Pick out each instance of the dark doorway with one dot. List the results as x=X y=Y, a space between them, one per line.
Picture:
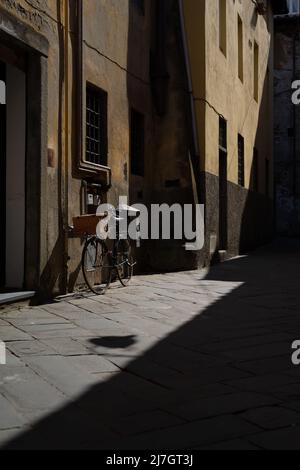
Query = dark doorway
x=23 y=156
x=223 y=223
x=2 y=173
x=12 y=174
x=223 y=239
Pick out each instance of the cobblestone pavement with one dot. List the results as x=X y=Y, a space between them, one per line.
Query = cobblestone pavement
x=194 y=360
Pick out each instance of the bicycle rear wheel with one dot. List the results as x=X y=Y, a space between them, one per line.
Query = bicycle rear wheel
x=125 y=262
x=96 y=266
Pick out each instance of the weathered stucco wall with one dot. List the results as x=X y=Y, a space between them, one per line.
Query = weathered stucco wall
x=218 y=89
x=167 y=176
x=137 y=59
x=219 y=92
x=105 y=65
x=104 y=62
x=44 y=17
x=117 y=43
x=105 y=38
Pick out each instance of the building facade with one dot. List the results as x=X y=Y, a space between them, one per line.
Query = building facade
x=230 y=49
x=162 y=102
x=94 y=108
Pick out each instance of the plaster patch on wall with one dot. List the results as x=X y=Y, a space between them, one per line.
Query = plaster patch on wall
x=35 y=18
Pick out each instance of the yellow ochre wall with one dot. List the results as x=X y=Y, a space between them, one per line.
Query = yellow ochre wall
x=218 y=90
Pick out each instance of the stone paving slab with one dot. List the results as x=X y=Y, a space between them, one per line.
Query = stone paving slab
x=25 y=314
x=70 y=332
x=236 y=444
x=281 y=439
x=29 y=348
x=274 y=417
x=267 y=366
x=226 y=404
x=146 y=422
x=263 y=384
x=66 y=346
x=66 y=311
x=8 y=435
x=10 y=333
x=92 y=364
x=12 y=362
x=31 y=395
x=9 y=417
x=192 y=360
x=187 y=436
x=59 y=372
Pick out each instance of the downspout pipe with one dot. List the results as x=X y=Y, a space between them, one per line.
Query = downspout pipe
x=195 y=157
x=79 y=80
x=66 y=150
x=189 y=77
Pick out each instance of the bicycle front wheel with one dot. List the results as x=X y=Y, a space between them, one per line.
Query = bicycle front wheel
x=125 y=262
x=96 y=266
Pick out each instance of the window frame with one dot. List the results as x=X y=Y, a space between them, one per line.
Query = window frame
x=103 y=142
x=241 y=161
x=256 y=71
x=223 y=27
x=223 y=132
x=240 y=34
x=83 y=168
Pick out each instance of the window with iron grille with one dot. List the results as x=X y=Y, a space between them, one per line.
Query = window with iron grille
x=256 y=71
x=137 y=143
x=240 y=49
x=223 y=134
x=241 y=162
x=223 y=26
x=255 y=170
x=96 y=126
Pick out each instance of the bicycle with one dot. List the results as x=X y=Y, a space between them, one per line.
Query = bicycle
x=99 y=263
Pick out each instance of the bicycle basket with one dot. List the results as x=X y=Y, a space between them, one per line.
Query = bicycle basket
x=86 y=224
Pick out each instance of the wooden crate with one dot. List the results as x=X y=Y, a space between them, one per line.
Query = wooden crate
x=86 y=224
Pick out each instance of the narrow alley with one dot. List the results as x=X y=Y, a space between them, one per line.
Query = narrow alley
x=192 y=360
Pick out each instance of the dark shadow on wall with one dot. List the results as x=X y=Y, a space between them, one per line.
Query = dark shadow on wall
x=157 y=89
x=250 y=212
x=53 y=279
x=196 y=386
x=161 y=96
x=257 y=219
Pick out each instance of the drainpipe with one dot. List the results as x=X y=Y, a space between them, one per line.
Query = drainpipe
x=66 y=150
x=79 y=79
x=195 y=158
x=189 y=77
